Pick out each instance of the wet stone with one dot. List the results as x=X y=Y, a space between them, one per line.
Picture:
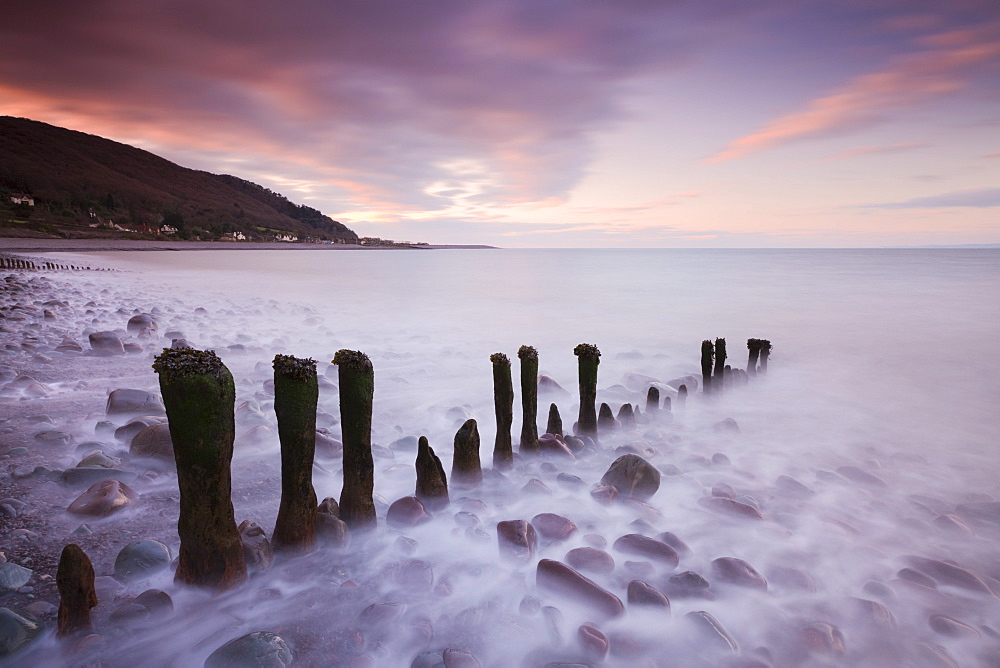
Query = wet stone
x=558 y=578
x=594 y=643
x=822 y=638
x=15 y=631
x=407 y=512
x=730 y=507
x=106 y=343
x=103 y=498
x=257 y=549
x=261 y=649
x=633 y=476
x=689 y=585
x=517 y=540
x=738 y=572
x=791 y=578
x=153 y=441
x=590 y=559
x=13 y=577
x=652 y=549
x=141 y=559
x=710 y=633
x=947 y=626
x=130 y=401
x=554 y=527
x=673 y=541
x=605 y=494
x=644 y=594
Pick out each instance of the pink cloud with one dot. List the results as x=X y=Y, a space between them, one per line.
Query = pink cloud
x=943 y=66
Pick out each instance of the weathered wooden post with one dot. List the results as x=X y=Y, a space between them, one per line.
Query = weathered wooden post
x=753 y=345
x=357 y=390
x=652 y=400
x=529 y=399
x=432 y=485
x=707 y=353
x=503 y=405
x=588 y=359
x=465 y=467
x=296 y=394
x=719 y=380
x=606 y=419
x=75 y=581
x=765 y=352
x=199 y=397
x=682 y=396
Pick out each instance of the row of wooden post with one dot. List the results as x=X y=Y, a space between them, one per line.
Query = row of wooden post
x=199 y=396
x=21 y=263
x=759 y=350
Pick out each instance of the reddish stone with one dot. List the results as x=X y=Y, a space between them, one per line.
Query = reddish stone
x=103 y=498
x=590 y=559
x=594 y=643
x=730 y=507
x=558 y=578
x=738 y=572
x=553 y=527
x=517 y=540
x=645 y=594
x=406 y=512
x=649 y=548
x=822 y=638
x=605 y=494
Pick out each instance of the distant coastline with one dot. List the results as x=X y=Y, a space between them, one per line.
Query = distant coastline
x=34 y=245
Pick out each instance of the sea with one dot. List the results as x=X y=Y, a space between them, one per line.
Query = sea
x=880 y=398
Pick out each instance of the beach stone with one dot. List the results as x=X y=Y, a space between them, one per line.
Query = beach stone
x=952 y=524
x=69 y=346
x=257 y=550
x=98 y=458
x=673 y=541
x=590 y=559
x=13 y=577
x=730 y=507
x=791 y=578
x=950 y=574
x=644 y=594
x=640 y=448
x=873 y=614
x=595 y=644
x=407 y=512
x=984 y=511
x=854 y=474
x=792 y=487
x=633 y=476
x=823 y=638
x=153 y=441
x=552 y=526
x=36 y=391
x=458 y=658
x=558 y=578
x=554 y=445
x=53 y=437
x=428 y=660
x=649 y=548
x=125 y=401
x=331 y=530
x=935 y=656
x=536 y=487
x=141 y=559
x=689 y=585
x=727 y=426
x=738 y=572
x=88 y=475
x=517 y=540
x=605 y=494
x=103 y=498
x=129 y=430
x=953 y=628
x=710 y=633
x=548 y=385
x=106 y=343
x=15 y=631
x=261 y=649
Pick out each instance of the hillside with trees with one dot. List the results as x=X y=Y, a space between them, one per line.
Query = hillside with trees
x=82 y=185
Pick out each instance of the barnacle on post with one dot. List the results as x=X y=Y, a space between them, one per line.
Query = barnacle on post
x=588 y=350
x=174 y=363
x=499 y=359
x=295 y=367
x=354 y=359
x=527 y=352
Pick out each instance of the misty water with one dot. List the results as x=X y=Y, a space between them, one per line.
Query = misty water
x=880 y=399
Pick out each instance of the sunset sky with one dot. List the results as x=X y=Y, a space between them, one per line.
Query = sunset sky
x=534 y=123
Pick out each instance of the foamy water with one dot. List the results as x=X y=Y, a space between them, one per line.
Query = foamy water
x=878 y=364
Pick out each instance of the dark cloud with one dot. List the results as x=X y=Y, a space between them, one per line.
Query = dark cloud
x=379 y=97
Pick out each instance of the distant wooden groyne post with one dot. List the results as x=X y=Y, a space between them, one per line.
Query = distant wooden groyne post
x=357 y=390
x=652 y=400
x=588 y=359
x=465 y=467
x=199 y=396
x=753 y=345
x=765 y=352
x=77 y=595
x=503 y=404
x=296 y=394
x=719 y=379
x=707 y=353
x=432 y=485
x=529 y=399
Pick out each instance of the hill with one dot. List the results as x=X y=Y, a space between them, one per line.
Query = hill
x=85 y=185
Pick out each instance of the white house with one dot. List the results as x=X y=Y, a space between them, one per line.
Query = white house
x=168 y=229
x=285 y=237
x=22 y=199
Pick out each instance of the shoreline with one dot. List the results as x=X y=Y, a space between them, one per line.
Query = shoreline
x=30 y=245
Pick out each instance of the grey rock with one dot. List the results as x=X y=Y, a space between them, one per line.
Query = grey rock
x=633 y=476
x=13 y=576
x=153 y=441
x=261 y=649
x=106 y=343
x=129 y=401
x=141 y=559
x=15 y=631
x=257 y=548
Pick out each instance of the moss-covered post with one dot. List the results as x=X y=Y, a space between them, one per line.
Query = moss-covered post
x=707 y=353
x=199 y=396
x=357 y=390
x=465 y=467
x=588 y=358
x=554 y=424
x=75 y=580
x=529 y=399
x=765 y=352
x=719 y=379
x=753 y=345
x=296 y=393
x=432 y=485
x=503 y=404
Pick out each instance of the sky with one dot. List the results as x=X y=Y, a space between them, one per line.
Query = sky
x=550 y=123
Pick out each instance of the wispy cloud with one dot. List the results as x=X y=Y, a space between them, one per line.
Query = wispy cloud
x=973 y=197
x=876 y=150
x=943 y=65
